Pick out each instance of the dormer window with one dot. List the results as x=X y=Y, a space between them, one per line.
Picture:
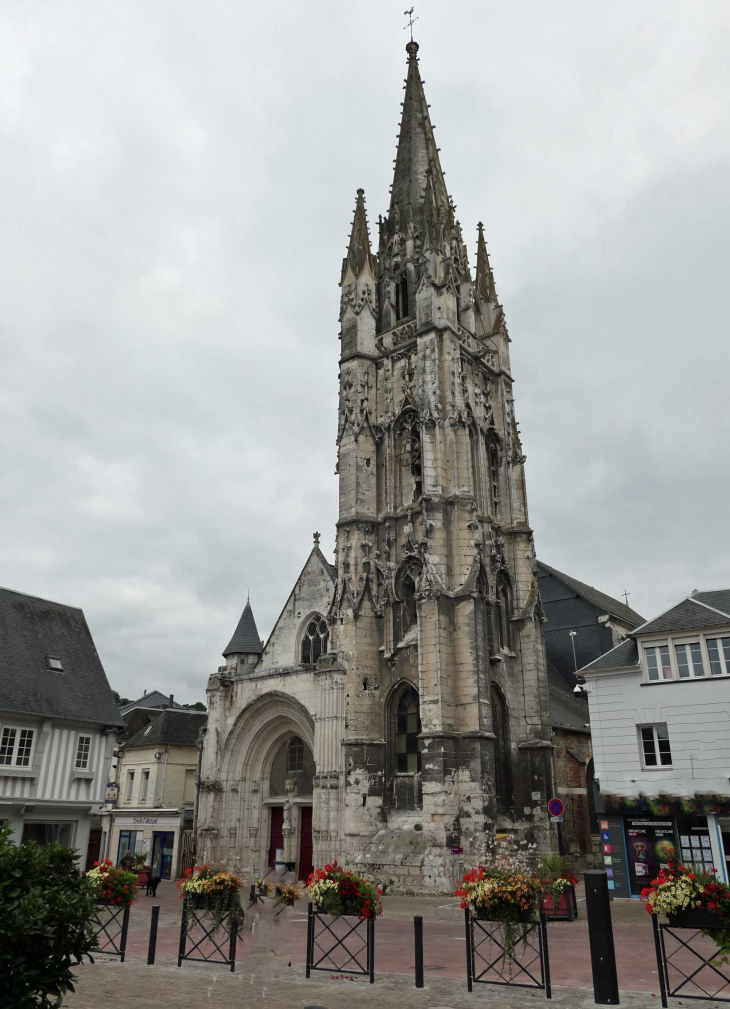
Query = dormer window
x=54 y=663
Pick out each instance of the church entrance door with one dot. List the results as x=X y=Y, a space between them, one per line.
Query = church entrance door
x=276 y=837
x=305 y=842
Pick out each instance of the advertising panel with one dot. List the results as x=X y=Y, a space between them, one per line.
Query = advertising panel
x=649 y=846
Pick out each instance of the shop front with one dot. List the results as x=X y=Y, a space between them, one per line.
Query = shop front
x=152 y=833
x=637 y=842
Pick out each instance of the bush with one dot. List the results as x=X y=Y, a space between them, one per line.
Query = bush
x=46 y=908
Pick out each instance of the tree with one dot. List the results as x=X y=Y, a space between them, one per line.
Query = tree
x=46 y=908
x=198 y=706
x=121 y=700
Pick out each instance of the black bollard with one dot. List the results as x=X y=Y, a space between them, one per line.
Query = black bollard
x=418 y=937
x=600 y=935
x=153 y=934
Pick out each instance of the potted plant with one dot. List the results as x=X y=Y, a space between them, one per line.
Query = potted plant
x=211 y=888
x=112 y=884
x=141 y=866
x=337 y=892
x=263 y=888
x=557 y=899
x=286 y=894
x=691 y=897
x=505 y=895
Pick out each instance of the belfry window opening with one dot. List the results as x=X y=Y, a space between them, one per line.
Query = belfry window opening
x=314 y=640
x=295 y=754
x=401 y=298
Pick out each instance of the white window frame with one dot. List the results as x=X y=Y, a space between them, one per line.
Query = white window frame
x=724 y=662
x=129 y=790
x=682 y=642
x=87 y=761
x=19 y=729
x=645 y=660
x=145 y=784
x=659 y=766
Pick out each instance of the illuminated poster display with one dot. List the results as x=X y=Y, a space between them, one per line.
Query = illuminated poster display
x=649 y=846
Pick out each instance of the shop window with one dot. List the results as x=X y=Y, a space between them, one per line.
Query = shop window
x=314 y=640
x=295 y=754
x=655 y=747
x=407 y=719
x=48 y=833
x=502 y=755
x=127 y=842
x=83 y=748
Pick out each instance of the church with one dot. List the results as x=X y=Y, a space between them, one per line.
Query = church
x=397 y=718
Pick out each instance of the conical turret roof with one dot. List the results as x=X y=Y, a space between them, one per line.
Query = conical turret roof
x=417 y=164
x=245 y=640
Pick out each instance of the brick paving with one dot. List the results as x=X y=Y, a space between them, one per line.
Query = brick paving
x=271 y=957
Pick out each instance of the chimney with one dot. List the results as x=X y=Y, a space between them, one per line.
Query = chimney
x=172 y=698
x=145 y=693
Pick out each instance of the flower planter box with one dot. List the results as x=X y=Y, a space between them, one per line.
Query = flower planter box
x=482 y=913
x=696 y=917
x=563 y=906
x=143 y=877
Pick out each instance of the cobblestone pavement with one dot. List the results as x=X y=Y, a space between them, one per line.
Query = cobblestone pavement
x=271 y=957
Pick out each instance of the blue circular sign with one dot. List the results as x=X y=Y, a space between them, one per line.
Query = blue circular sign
x=555 y=807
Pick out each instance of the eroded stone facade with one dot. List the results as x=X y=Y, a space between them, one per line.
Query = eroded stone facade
x=427 y=710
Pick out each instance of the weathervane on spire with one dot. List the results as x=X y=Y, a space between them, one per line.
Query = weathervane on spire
x=411 y=22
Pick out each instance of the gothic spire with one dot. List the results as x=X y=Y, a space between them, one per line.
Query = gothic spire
x=417 y=165
x=358 y=251
x=485 y=288
x=245 y=640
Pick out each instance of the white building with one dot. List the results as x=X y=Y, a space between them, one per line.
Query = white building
x=660 y=721
x=58 y=724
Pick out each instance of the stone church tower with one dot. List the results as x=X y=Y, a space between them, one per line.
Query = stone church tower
x=400 y=706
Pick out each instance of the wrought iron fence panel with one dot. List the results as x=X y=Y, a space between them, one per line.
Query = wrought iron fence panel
x=688 y=964
x=340 y=944
x=490 y=960
x=199 y=936
x=111 y=924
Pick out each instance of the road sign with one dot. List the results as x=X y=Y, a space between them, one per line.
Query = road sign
x=556 y=819
x=555 y=807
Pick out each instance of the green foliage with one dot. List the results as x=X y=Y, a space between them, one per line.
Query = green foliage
x=555 y=866
x=198 y=706
x=46 y=908
x=121 y=701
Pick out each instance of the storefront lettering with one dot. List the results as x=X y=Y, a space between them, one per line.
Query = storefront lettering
x=143 y=821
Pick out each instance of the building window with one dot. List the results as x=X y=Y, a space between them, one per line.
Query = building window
x=127 y=842
x=502 y=756
x=504 y=613
x=493 y=455
x=54 y=663
x=658 y=663
x=718 y=650
x=130 y=785
x=314 y=642
x=655 y=746
x=82 y=752
x=407 y=731
x=16 y=746
x=295 y=754
x=48 y=833
x=689 y=660
x=408 y=450
x=145 y=785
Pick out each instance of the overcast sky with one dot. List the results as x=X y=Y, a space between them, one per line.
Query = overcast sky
x=176 y=188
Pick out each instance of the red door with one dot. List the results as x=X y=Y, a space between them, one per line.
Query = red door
x=276 y=836
x=305 y=843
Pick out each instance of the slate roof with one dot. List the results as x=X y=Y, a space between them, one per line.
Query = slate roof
x=152 y=699
x=245 y=640
x=567 y=710
x=690 y=614
x=173 y=727
x=624 y=656
x=32 y=629
x=719 y=599
x=599 y=599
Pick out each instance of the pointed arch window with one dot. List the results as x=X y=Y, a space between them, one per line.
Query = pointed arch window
x=295 y=754
x=401 y=297
x=502 y=756
x=314 y=639
x=407 y=728
x=407 y=610
x=493 y=476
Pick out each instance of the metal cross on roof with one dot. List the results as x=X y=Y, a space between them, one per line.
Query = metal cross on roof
x=411 y=22
x=626 y=595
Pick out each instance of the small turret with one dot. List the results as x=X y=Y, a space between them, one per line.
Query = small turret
x=358 y=301
x=245 y=647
